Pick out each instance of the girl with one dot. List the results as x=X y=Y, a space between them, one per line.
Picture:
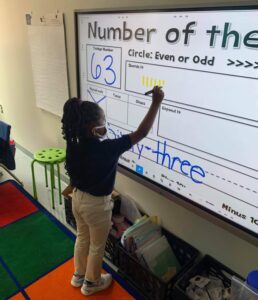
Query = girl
x=91 y=165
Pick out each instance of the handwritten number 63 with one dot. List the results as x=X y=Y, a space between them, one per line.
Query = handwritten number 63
x=96 y=73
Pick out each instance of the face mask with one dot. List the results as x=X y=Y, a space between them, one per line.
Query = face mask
x=97 y=134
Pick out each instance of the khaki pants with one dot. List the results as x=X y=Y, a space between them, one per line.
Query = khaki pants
x=93 y=219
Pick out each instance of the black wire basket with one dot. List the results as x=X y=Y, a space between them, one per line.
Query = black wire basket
x=205 y=267
x=147 y=284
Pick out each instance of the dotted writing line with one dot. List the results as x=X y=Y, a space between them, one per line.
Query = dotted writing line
x=229 y=181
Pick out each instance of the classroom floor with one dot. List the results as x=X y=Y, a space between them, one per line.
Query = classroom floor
x=36 y=261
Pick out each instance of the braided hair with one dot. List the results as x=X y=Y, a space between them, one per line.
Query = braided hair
x=78 y=117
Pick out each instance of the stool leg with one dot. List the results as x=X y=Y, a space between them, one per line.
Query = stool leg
x=52 y=176
x=46 y=175
x=54 y=180
x=59 y=183
x=33 y=180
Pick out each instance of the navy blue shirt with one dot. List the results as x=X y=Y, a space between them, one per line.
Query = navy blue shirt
x=97 y=166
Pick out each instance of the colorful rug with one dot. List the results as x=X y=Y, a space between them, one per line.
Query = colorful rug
x=13 y=204
x=36 y=252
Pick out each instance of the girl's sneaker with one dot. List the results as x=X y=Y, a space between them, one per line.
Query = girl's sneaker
x=77 y=280
x=89 y=288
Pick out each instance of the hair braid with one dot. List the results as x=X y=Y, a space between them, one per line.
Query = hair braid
x=77 y=115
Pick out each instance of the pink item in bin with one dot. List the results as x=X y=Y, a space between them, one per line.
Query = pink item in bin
x=120 y=225
x=12 y=146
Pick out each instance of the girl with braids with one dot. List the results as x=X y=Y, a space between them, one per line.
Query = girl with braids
x=91 y=165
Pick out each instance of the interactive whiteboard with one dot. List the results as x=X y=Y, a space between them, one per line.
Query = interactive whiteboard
x=204 y=142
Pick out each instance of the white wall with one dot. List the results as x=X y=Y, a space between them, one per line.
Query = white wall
x=34 y=128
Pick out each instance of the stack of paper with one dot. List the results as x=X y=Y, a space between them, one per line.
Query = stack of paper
x=138 y=234
x=144 y=240
x=160 y=259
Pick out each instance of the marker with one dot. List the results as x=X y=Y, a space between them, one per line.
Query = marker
x=150 y=92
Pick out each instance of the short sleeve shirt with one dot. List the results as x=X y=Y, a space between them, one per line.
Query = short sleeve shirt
x=99 y=163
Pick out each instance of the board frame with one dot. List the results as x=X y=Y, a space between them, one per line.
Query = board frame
x=187 y=203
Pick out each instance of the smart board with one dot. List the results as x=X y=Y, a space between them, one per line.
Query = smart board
x=203 y=145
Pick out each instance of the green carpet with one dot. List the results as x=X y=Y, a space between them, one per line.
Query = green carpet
x=7 y=286
x=32 y=246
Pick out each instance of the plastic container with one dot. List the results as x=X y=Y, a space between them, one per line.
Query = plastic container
x=205 y=267
x=252 y=280
x=248 y=290
x=148 y=285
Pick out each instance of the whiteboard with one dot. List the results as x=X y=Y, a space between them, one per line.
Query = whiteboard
x=48 y=59
x=203 y=145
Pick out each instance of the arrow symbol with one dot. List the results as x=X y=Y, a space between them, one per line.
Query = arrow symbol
x=248 y=64
x=99 y=100
x=256 y=64
x=230 y=62
x=239 y=63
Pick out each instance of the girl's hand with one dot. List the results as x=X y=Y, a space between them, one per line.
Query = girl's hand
x=146 y=124
x=158 y=95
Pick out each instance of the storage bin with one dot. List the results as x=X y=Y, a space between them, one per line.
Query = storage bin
x=205 y=267
x=241 y=291
x=148 y=285
x=68 y=212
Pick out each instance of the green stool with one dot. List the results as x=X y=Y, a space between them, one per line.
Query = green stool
x=49 y=157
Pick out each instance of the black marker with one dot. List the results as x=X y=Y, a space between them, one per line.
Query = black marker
x=150 y=92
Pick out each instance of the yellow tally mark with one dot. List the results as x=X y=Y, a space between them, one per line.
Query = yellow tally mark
x=150 y=82
x=143 y=80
